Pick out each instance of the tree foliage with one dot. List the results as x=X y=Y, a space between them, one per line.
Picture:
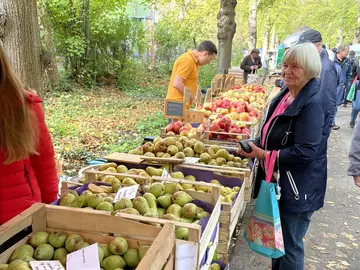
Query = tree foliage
x=114 y=37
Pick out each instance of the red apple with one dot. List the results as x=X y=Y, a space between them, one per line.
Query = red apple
x=253 y=113
x=214 y=126
x=177 y=127
x=223 y=136
x=233 y=104
x=169 y=127
x=183 y=128
x=188 y=125
x=240 y=109
x=219 y=102
x=245 y=131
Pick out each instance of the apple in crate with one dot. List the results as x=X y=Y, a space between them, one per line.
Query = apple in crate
x=184 y=131
x=208 y=106
x=207 y=114
x=214 y=126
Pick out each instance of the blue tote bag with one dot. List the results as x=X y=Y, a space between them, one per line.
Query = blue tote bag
x=264 y=233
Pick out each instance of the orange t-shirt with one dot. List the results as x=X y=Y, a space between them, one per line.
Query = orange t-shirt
x=186 y=66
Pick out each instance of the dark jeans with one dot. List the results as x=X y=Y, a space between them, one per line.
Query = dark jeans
x=245 y=77
x=346 y=92
x=294 y=227
x=339 y=98
x=355 y=106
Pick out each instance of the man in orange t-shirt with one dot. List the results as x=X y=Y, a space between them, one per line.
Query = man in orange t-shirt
x=185 y=70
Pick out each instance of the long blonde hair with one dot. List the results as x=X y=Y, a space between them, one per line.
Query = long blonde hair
x=18 y=125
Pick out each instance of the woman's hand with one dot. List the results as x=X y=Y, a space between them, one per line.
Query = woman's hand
x=257 y=152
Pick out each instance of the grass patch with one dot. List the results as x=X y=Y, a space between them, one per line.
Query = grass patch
x=85 y=124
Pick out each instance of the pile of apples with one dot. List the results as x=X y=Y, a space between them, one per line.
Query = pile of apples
x=184 y=129
x=234 y=110
x=250 y=88
x=224 y=124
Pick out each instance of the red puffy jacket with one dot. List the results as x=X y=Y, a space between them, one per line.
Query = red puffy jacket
x=30 y=180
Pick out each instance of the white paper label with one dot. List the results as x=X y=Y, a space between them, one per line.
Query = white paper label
x=126 y=192
x=186 y=256
x=165 y=174
x=46 y=265
x=85 y=258
x=191 y=160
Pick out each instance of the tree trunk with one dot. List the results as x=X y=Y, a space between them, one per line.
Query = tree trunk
x=21 y=41
x=273 y=39
x=340 y=37
x=266 y=35
x=226 y=31
x=86 y=18
x=52 y=69
x=357 y=30
x=252 y=24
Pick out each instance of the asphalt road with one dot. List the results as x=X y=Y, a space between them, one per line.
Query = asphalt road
x=332 y=241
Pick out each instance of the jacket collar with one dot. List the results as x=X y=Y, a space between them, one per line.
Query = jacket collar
x=310 y=89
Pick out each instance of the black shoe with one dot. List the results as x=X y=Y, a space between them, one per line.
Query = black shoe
x=335 y=127
x=352 y=124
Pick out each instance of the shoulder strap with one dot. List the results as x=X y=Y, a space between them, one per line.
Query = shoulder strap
x=269 y=165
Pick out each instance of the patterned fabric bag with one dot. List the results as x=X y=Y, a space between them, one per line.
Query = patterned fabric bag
x=264 y=234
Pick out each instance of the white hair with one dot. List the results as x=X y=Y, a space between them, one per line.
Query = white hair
x=307 y=56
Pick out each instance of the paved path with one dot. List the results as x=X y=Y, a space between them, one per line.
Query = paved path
x=333 y=238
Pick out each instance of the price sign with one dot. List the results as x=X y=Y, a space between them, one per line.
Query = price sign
x=85 y=258
x=174 y=109
x=191 y=160
x=212 y=88
x=46 y=265
x=126 y=192
x=198 y=97
x=208 y=96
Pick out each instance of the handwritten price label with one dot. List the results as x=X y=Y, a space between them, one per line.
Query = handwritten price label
x=191 y=160
x=126 y=192
x=186 y=256
x=46 y=265
x=85 y=258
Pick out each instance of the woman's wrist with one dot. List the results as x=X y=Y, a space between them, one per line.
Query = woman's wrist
x=263 y=154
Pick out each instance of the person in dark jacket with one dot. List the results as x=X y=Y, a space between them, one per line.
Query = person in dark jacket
x=342 y=59
x=294 y=127
x=328 y=78
x=27 y=159
x=251 y=64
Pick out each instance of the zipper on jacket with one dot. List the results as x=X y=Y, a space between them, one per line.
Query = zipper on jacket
x=26 y=173
x=293 y=185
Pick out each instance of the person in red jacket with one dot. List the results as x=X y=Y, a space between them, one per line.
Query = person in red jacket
x=27 y=159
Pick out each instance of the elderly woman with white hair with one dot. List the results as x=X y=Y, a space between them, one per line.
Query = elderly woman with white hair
x=293 y=127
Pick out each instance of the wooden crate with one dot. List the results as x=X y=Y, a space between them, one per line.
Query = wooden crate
x=230 y=213
x=226 y=246
x=195 y=235
x=137 y=159
x=94 y=226
x=163 y=134
x=232 y=144
x=243 y=173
